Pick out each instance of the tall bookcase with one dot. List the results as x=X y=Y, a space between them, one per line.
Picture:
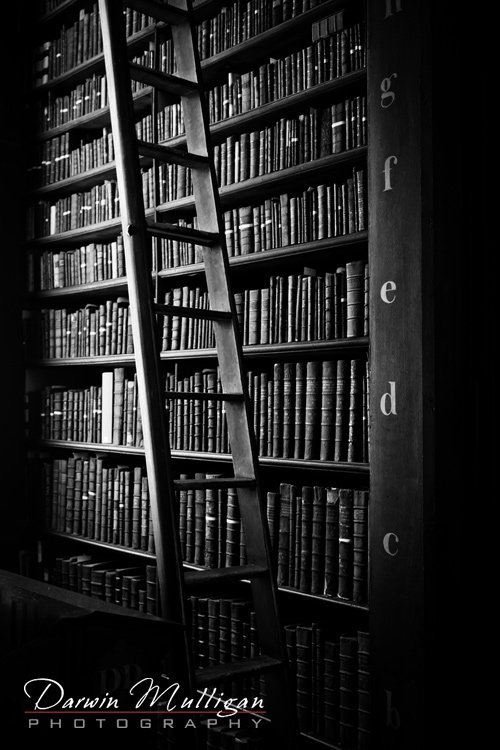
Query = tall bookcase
x=413 y=299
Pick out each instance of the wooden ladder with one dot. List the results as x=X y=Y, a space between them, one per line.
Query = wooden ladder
x=137 y=231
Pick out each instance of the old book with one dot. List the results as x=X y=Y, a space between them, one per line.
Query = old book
x=345 y=543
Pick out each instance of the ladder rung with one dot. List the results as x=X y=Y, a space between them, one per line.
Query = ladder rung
x=216 y=483
x=171 y=155
x=166 y=13
x=203 y=396
x=182 y=234
x=168 y=83
x=197 y=578
x=214 y=675
x=192 y=312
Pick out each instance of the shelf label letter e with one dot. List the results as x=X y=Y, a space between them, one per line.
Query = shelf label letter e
x=388 y=400
x=387 y=288
x=387 y=171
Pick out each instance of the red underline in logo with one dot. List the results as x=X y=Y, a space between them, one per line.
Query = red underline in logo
x=41 y=712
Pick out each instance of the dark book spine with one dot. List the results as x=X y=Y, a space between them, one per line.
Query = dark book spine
x=345 y=543
x=304 y=677
x=300 y=402
x=355 y=283
x=284 y=540
x=306 y=539
x=328 y=394
x=288 y=409
x=348 y=705
x=331 y=542
x=364 y=692
x=331 y=691
x=342 y=410
x=318 y=541
x=360 y=547
x=312 y=402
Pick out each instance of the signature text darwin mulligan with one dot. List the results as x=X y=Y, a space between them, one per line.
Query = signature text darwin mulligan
x=48 y=694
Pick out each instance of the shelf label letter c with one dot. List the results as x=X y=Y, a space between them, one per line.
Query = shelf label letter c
x=389 y=538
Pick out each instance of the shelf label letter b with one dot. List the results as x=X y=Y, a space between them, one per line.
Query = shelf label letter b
x=388 y=400
x=393 y=720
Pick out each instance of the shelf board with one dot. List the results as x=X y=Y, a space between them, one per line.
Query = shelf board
x=329 y=599
x=344 y=467
x=92 y=447
x=268 y=351
x=102 y=231
x=220 y=130
x=113 y=286
x=239 y=193
x=102 y=545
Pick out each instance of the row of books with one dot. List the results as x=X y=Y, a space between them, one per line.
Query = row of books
x=107 y=413
x=318 y=534
x=79 y=41
x=90 y=96
x=95 y=330
x=301 y=307
x=74 y=211
x=60 y=159
x=132 y=586
x=291 y=141
x=244 y=19
x=303 y=410
x=306 y=307
x=314 y=213
x=98 y=261
x=93 y=497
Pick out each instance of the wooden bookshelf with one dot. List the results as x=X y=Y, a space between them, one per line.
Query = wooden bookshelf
x=329 y=253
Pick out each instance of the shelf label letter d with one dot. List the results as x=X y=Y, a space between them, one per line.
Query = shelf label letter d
x=388 y=400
